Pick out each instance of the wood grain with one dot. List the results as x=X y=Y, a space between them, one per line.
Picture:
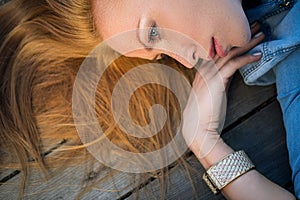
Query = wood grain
x=261 y=136
x=242 y=101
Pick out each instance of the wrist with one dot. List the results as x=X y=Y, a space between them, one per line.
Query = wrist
x=227 y=170
x=217 y=153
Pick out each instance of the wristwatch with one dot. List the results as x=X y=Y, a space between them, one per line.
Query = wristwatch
x=226 y=170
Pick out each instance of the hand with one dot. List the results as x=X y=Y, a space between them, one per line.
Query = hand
x=204 y=115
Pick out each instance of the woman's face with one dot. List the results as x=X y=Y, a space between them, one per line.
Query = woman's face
x=183 y=29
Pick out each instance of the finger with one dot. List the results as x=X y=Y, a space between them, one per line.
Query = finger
x=230 y=68
x=207 y=69
x=237 y=51
x=256 y=39
x=255 y=28
x=196 y=79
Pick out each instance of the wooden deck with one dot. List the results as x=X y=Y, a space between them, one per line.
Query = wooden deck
x=253 y=123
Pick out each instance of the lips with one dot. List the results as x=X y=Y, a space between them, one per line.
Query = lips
x=216 y=49
x=212 y=50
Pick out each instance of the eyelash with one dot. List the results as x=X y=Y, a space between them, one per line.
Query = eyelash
x=153 y=38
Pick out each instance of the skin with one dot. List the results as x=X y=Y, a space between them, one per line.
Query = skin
x=184 y=30
x=200 y=21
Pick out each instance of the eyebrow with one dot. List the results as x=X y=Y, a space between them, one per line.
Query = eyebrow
x=138 y=37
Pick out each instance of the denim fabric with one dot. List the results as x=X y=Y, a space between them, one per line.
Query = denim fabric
x=281 y=25
x=280 y=63
x=288 y=88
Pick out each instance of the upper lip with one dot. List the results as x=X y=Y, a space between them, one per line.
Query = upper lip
x=216 y=49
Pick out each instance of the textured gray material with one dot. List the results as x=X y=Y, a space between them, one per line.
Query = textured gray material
x=225 y=171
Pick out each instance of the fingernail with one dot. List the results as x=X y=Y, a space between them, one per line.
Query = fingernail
x=258 y=34
x=253 y=25
x=257 y=54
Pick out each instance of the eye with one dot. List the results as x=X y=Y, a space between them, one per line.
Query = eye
x=153 y=34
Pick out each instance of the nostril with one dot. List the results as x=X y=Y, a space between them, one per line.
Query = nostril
x=194 y=56
x=194 y=51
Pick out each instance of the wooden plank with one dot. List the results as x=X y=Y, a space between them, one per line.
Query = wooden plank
x=6 y=174
x=68 y=184
x=261 y=136
x=242 y=100
x=264 y=140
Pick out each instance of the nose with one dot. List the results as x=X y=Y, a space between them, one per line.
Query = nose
x=187 y=56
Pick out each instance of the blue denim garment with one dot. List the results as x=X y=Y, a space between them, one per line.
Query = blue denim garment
x=280 y=63
x=288 y=89
x=280 y=20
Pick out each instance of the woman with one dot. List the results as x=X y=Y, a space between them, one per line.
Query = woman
x=212 y=30
x=217 y=27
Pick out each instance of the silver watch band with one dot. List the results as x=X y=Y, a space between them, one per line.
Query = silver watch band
x=226 y=170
